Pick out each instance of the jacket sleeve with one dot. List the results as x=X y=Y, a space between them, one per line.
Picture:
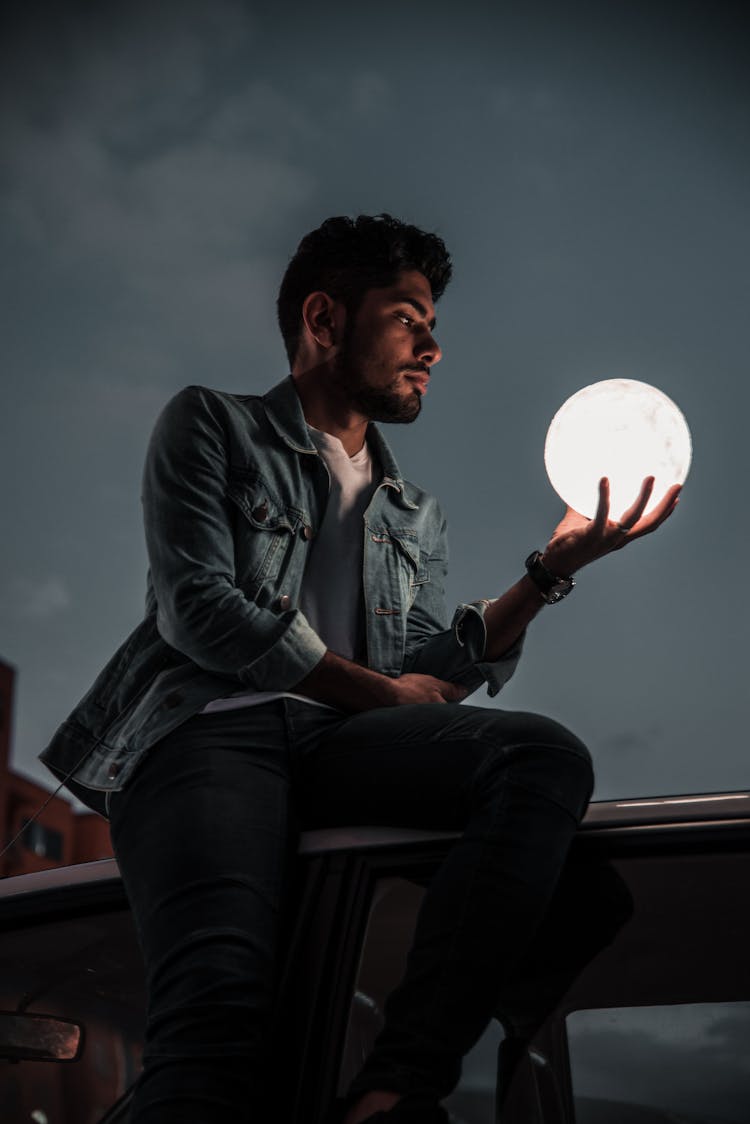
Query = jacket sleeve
x=453 y=652
x=200 y=610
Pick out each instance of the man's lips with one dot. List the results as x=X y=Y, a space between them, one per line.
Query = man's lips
x=420 y=379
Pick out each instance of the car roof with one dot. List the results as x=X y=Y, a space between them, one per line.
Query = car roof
x=601 y=816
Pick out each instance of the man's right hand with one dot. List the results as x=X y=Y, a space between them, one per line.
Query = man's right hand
x=352 y=688
x=415 y=688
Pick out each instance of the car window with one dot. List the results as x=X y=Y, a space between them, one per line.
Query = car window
x=388 y=935
x=652 y=1065
x=87 y=969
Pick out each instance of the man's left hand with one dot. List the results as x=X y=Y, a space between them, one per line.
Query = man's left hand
x=576 y=541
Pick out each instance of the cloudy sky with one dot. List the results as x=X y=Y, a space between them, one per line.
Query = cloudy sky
x=587 y=165
x=685 y=1059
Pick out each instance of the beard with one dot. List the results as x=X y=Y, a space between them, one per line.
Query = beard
x=386 y=403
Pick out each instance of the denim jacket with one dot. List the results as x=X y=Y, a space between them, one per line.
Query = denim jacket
x=233 y=492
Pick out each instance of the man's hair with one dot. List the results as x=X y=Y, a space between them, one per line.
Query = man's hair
x=345 y=257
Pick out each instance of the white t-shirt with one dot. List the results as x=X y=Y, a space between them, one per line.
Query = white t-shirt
x=331 y=595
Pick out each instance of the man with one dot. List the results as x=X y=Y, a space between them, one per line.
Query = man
x=296 y=668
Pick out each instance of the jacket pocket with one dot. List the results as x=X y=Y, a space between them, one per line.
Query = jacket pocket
x=405 y=559
x=408 y=545
x=265 y=534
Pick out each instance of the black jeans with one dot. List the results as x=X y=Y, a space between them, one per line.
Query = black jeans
x=207 y=828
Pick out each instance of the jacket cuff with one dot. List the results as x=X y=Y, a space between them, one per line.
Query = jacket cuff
x=471 y=633
x=297 y=651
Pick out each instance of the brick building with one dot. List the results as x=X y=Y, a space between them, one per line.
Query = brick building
x=59 y=835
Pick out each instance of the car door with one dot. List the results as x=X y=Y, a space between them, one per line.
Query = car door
x=631 y=1003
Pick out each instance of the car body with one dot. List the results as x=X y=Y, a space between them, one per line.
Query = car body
x=632 y=1006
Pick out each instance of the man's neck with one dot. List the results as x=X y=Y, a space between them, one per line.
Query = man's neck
x=324 y=410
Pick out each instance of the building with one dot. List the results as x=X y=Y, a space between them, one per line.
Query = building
x=55 y=836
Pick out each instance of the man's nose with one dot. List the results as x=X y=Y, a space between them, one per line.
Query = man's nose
x=428 y=349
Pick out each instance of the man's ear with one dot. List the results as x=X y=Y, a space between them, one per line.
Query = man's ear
x=322 y=316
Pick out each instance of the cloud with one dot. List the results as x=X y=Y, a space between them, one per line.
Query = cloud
x=132 y=214
x=370 y=93
x=131 y=156
x=646 y=737
x=145 y=172
x=683 y=1057
x=36 y=600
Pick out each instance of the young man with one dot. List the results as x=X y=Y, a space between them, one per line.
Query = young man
x=296 y=668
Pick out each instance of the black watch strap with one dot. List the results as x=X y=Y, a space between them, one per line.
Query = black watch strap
x=551 y=587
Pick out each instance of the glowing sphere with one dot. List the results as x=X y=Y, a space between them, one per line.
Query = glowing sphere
x=622 y=429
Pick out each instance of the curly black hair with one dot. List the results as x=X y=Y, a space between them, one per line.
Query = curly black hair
x=345 y=257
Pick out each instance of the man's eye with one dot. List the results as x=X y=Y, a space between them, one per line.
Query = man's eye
x=405 y=320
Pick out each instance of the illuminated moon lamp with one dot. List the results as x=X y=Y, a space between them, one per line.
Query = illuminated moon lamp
x=619 y=428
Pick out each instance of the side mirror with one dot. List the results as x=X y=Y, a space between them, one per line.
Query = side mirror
x=39 y=1038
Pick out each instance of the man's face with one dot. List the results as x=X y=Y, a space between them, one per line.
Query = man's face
x=383 y=364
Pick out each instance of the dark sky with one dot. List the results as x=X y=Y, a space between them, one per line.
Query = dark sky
x=689 y=1060
x=686 y=1061
x=587 y=165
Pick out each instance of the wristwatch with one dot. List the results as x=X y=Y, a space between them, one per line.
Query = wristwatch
x=551 y=587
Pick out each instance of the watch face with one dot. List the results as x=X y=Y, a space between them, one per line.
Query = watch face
x=552 y=588
x=560 y=589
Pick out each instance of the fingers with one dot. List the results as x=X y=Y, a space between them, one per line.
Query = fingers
x=577 y=541
x=633 y=514
x=671 y=498
x=414 y=687
x=453 y=692
x=599 y=522
x=661 y=512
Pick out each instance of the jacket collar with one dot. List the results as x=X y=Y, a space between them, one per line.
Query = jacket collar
x=284 y=411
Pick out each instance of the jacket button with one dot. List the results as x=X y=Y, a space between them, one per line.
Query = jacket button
x=261 y=512
x=112 y=771
x=285 y=601
x=307 y=531
x=173 y=700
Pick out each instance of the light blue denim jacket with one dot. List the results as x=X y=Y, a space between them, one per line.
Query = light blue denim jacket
x=233 y=493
